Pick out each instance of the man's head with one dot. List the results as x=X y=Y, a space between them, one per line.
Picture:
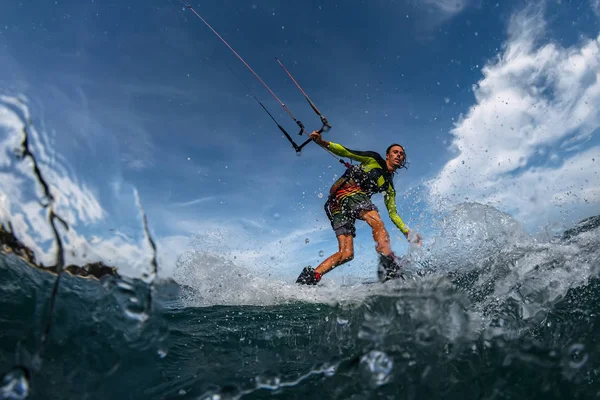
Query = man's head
x=395 y=156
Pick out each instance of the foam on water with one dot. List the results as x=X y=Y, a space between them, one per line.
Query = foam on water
x=484 y=252
x=217 y=280
x=471 y=233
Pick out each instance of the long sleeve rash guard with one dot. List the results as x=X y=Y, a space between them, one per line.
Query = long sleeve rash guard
x=374 y=168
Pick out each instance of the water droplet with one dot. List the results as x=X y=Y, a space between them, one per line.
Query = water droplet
x=378 y=365
x=463 y=162
x=276 y=216
x=162 y=353
x=321 y=252
x=342 y=321
x=15 y=384
x=181 y=392
x=330 y=371
x=268 y=382
x=307 y=240
x=282 y=27
x=320 y=195
x=576 y=355
x=254 y=6
x=133 y=300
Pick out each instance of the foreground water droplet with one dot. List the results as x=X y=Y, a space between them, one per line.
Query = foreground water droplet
x=15 y=385
x=378 y=365
x=134 y=300
x=307 y=240
x=162 y=353
x=268 y=382
x=320 y=195
x=329 y=370
x=321 y=252
x=577 y=356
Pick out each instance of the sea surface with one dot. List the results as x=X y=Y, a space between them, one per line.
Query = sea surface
x=498 y=317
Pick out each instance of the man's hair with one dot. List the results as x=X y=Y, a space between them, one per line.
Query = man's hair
x=405 y=162
x=387 y=151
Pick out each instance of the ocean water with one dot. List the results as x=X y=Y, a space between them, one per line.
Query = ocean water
x=516 y=318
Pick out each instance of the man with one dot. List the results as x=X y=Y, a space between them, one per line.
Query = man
x=350 y=199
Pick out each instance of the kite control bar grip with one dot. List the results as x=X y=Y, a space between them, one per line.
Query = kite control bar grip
x=324 y=128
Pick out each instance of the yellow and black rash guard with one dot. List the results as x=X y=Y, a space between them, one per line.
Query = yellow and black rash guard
x=370 y=177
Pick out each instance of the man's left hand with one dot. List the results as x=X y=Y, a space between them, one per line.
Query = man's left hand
x=414 y=238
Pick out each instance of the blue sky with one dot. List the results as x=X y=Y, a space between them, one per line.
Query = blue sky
x=494 y=102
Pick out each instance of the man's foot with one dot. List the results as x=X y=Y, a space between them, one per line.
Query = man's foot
x=308 y=277
x=389 y=268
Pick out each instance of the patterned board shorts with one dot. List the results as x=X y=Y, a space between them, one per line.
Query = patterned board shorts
x=347 y=212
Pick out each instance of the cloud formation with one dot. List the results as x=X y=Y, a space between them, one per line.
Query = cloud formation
x=527 y=144
x=448 y=8
x=595 y=4
x=74 y=201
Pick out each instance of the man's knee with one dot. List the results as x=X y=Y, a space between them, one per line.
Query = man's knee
x=378 y=226
x=346 y=256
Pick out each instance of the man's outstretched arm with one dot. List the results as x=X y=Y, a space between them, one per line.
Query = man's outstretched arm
x=339 y=150
x=390 y=204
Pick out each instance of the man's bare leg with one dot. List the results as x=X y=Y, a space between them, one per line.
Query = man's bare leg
x=344 y=254
x=388 y=267
x=380 y=234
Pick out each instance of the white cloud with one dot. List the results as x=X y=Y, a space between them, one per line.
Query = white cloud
x=536 y=101
x=75 y=203
x=169 y=249
x=256 y=245
x=195 y=201
x=434 y=13
x=448 y=8
x=138 y=150
x=595 y=6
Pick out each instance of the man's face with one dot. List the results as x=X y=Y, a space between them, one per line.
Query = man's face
x=396 y=156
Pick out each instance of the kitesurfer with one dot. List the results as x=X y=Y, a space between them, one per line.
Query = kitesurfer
x=350 y=199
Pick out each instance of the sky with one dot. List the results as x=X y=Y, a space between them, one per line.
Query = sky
x=137 y=105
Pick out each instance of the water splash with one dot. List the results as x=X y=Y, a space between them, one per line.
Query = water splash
x=138 y=306
x=378 y=366
x=15 y=384
x=473 y=233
